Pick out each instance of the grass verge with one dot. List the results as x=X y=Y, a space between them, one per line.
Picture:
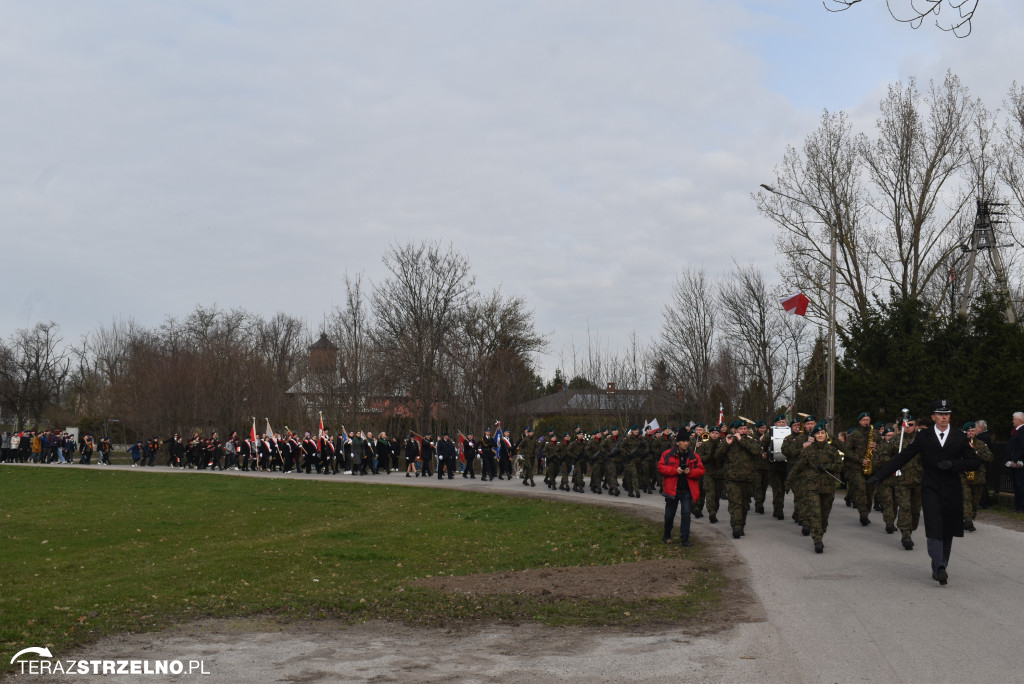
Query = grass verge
x=89 y=553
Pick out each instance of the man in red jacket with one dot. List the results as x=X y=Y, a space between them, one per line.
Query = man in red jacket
x=682 y=471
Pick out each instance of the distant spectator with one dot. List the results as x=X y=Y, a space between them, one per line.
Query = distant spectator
x=1015 y=460
x=136 y=452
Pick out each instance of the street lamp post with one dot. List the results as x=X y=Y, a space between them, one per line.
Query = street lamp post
x=830 y=369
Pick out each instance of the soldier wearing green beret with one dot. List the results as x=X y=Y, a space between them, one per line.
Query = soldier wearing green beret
x=817 y=469
x=859 y=444
x=974 y=481
x=739 y=462
x=710 y=452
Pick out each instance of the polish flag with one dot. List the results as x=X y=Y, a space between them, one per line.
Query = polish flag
x=796 y=304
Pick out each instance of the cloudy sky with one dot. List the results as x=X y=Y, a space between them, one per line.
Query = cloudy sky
x=159 y=155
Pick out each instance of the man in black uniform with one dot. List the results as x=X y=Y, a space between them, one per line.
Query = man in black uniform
x=447 y=454
x=470 y=450
x=945 y=453
x=488 y=449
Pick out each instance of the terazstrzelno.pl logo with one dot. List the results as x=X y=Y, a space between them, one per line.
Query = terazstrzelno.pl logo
x=36 y=666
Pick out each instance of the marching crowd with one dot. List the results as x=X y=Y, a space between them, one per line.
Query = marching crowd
x=888 y=468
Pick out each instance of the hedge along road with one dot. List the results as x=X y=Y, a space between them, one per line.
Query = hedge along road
x=865 y=610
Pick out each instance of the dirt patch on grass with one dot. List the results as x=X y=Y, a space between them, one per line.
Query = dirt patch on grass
x=1006 y=521
x=662 y=578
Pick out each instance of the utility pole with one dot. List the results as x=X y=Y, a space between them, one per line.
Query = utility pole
x=983 y=237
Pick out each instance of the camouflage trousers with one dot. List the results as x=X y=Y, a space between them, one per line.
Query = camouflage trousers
x=855 y=486
x=815 y=509
x=908 y=508
x=629 y=476
x=597 y=469
x=551 y=473
x=564 y=470
x=611 y=475
x=885 y=497
x=698 y=504
x=972 y=497
x=714 y=487
x=739 y=492
x=798 y=501
x=526 y=469
x=579 y=472
x=773 y=479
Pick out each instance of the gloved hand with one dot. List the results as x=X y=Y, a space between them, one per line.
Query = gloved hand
x=1020 y=464
x=1009 y=464
x=872 y=480
x=944 y=465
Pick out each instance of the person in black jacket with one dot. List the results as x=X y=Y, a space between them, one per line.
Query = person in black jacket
x=1015 y=461
x=470 y=450
x=945 y=453
x=427 y=456
x=447 y=455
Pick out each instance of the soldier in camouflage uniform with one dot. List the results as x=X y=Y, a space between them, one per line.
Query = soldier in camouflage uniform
x=817 y=469
x=613 y=462
x=774 y=474
x=857 y=445
x=632 y=448
x=908 y=488
x=552 y=460
x=739 y=461
x=761 y=469
x=973 y=488
x=595 y=456
x=792 y=447
x=528 y=450
x=714 y=477
x=885 y=492
x=579 y=466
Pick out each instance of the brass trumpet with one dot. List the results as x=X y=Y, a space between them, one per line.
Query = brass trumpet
x=970 y=473
x=870 y=453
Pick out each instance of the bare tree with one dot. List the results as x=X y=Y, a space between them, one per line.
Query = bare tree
x=350 y=326
x=688 y=338
x=490 y=358
x=818 y=191
x=34 y=367
x=956 y=19
x=923 y=148
x=417 y=309
x=767 y=350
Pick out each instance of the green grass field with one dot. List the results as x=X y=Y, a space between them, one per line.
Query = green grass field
x=89 y=552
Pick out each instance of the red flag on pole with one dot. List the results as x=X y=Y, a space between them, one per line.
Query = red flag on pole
x=796 y=304
x=252 y=433
x=462 y=447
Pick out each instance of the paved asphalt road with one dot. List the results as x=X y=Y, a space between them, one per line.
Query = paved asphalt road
x=864 y=611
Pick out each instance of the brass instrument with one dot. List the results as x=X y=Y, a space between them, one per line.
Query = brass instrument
x=970 y=473
x=870 y=453
x=705 y=437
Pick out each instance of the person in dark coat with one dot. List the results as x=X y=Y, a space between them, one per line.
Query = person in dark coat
x=1015 y=460
x=945 y=453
